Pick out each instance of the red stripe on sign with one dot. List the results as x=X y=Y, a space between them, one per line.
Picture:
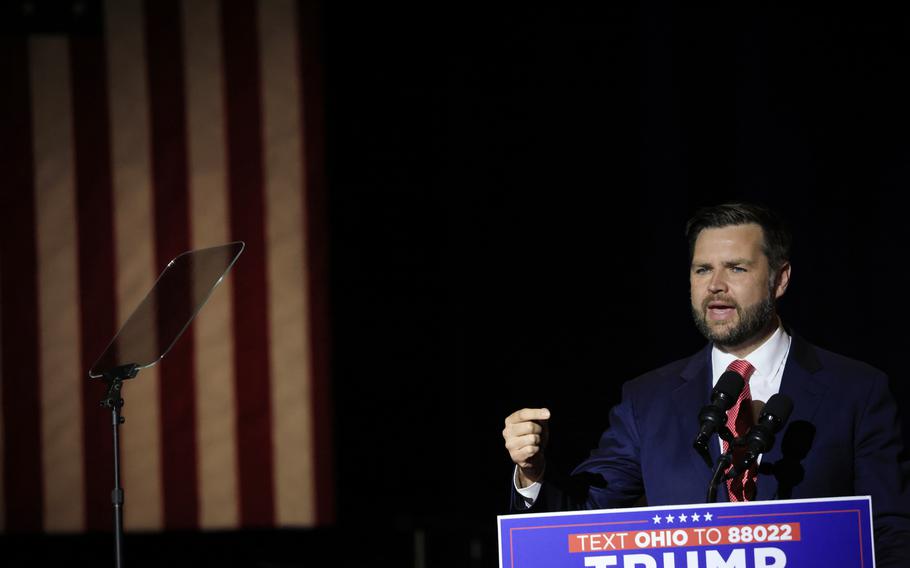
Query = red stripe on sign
x=314 y=215
x=251 y=331
x=172 y=237
x=88 y=74
x=22 y=468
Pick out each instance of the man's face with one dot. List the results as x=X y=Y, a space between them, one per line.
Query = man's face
x=732 y=291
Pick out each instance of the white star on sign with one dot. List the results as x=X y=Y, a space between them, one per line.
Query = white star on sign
x=656 y=519
x=708 y=516
x=695 y=517
x=683 y=518
x=669 y=518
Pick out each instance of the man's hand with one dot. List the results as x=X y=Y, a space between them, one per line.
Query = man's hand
x=526 y=437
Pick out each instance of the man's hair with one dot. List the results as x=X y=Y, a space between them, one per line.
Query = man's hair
x=777 y=238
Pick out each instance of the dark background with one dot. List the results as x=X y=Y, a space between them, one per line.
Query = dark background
x=507 y=189
x=508 y=192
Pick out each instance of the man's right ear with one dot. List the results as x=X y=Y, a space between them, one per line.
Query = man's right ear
x=782 y=279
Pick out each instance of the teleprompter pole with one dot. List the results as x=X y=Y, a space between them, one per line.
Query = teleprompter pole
x=113 y=400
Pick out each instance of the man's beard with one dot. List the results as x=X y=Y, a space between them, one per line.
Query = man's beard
x=752 y=320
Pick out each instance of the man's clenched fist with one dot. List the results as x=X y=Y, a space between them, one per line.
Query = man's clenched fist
x=526 y=437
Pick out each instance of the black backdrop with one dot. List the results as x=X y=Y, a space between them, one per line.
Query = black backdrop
x=508 y=191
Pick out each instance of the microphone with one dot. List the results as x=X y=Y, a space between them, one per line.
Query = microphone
x=760 y=438
x=713 y=415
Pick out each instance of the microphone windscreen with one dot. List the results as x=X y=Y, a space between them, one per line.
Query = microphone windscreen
x=779 y=406
x=730 y=384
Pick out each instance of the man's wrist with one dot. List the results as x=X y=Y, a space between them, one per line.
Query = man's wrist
x=529 y=492
x=527 y=477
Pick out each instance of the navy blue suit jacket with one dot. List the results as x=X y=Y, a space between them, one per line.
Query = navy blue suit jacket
x=843 y=438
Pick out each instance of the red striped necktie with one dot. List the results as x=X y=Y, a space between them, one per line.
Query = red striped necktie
x=739 y=421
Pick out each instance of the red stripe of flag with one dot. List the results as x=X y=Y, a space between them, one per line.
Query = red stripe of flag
x=98 y=319
x=22 y=468
x=164 y=48
x=314 y=216
x=240 y=44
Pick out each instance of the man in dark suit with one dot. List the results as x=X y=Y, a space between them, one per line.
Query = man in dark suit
x=843 y=437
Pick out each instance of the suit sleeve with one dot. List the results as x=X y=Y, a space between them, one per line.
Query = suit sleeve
x=882 y=470
x=613 y=470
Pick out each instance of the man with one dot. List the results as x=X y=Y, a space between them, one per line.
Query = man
x=843 y=436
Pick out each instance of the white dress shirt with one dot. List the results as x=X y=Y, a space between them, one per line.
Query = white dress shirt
x=768 y=359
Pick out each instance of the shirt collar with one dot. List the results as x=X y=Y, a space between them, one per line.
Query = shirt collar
x=767 y=358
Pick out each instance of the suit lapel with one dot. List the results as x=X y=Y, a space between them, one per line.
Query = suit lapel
x=802 y=384
x=688 y=398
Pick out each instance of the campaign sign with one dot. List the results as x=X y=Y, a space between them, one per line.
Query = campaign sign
x=763 y=534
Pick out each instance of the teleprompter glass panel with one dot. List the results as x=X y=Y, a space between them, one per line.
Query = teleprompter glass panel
x=167 y=310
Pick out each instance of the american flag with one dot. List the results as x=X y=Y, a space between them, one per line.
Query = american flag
x=170 y=126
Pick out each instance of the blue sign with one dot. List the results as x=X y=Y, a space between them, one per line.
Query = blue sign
x=761 y=534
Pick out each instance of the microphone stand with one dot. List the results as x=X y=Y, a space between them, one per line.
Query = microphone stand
x=113 y=400
x=725 y=460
